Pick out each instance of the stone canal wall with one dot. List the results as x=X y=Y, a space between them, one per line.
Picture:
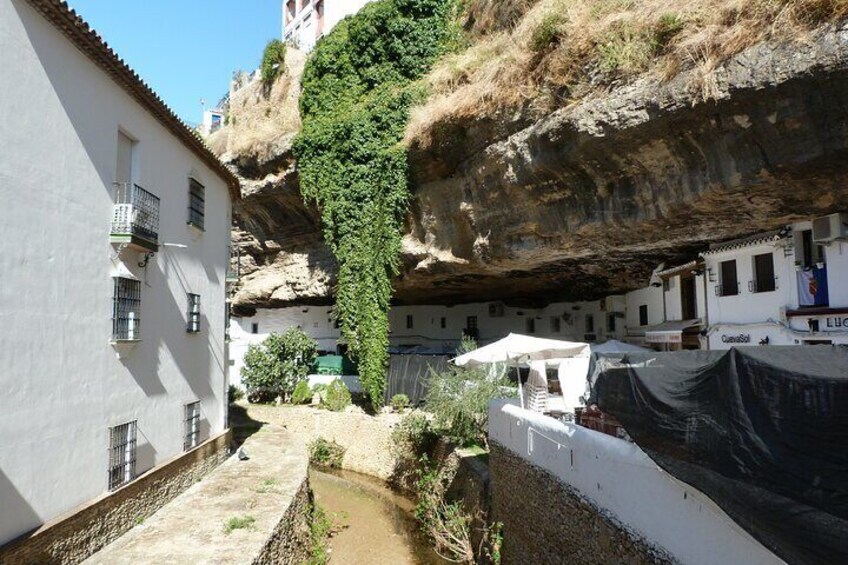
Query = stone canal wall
x=251 y=510
x=75 y=536
x=545 y=521
x=567 y=494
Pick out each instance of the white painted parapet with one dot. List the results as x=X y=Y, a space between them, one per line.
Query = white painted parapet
x=622 y=481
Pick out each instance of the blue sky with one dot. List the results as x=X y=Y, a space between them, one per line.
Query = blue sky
x=185 y=49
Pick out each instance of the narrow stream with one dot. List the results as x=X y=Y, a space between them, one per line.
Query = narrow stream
x=379 y=526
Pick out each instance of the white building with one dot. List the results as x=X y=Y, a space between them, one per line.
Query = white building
x=213 y=120
x=113 y=356
x=780 y=288
x=439 y=329
x=306 y=21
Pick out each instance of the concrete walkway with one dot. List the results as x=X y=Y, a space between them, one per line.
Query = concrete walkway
x=267 y=493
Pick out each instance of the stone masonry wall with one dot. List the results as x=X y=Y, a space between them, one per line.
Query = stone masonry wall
x=546 y=522
x=290 y=543
x=74 y=537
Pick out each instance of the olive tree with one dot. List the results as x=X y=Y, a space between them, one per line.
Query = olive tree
x=274 y=367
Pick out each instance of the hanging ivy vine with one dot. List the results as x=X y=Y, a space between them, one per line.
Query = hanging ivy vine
x=358 y=87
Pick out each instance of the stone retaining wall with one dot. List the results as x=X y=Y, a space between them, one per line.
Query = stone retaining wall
x=290 y=543
x=75 y=536
x=367 y=439
x=545 y=521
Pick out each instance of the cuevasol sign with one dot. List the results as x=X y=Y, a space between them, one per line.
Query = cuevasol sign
x=738 y=338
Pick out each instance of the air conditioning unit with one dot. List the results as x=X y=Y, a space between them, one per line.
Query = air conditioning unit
x=828 y=228
x=496 y=310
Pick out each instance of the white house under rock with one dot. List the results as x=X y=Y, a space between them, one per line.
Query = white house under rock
x=115 y=232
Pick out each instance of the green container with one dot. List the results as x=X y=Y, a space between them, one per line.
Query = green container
x=334 y=365
x=329 y=365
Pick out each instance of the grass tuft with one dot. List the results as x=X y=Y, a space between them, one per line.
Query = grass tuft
x=238 y=523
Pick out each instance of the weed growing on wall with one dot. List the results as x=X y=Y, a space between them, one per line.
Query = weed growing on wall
x=273 y=61
x=358 y=87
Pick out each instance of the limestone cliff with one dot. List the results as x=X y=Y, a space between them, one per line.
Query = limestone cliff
x=587 y=199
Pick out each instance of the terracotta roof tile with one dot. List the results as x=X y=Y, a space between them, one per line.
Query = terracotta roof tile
x=77 y=30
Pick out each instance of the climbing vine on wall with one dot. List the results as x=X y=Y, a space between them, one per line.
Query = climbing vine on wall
x=358 y=87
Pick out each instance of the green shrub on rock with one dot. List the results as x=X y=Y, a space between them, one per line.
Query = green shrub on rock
x=413 y=436
x=274 y=367
x=302 y=393
x=399 y=402
x=459 y=399
x=335 y=396
x=326 y=453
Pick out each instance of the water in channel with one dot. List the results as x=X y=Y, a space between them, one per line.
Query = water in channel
x=378 y=523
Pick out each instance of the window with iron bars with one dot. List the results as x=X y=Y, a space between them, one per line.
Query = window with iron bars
x=191 y=422
x=196 y=203
x=193 y=324
x=126 y=304
x=122 y=454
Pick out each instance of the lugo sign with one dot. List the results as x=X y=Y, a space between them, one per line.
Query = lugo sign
x=833 y=323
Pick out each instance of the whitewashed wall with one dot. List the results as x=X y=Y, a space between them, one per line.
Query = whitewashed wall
x=652 y=296
x=619 y=478
x=303 y=28
x=63 y=386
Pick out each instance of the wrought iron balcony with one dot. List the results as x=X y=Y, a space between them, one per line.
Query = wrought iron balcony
x=136 y=217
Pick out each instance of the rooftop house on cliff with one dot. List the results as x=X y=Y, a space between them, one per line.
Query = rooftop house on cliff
x=306 y=21
x=115 y=251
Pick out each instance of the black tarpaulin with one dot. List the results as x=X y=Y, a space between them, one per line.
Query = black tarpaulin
x=763 y=431
x=410 y=375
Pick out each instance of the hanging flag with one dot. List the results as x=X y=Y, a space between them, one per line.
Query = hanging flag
x=821 y=294
x=807 y=288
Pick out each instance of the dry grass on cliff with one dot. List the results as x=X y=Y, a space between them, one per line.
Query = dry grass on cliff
x=534 y=55
x=263 y=121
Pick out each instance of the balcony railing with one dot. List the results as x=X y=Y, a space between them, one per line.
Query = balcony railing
x=728 y=289
x=136 y=217
x=763 y=285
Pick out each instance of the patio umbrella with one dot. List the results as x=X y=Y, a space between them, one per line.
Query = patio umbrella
x=521 y=349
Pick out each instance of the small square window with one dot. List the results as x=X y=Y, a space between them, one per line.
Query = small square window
x=196 y=204
x=191 y=426
x=122 y=454
x=193 y=324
